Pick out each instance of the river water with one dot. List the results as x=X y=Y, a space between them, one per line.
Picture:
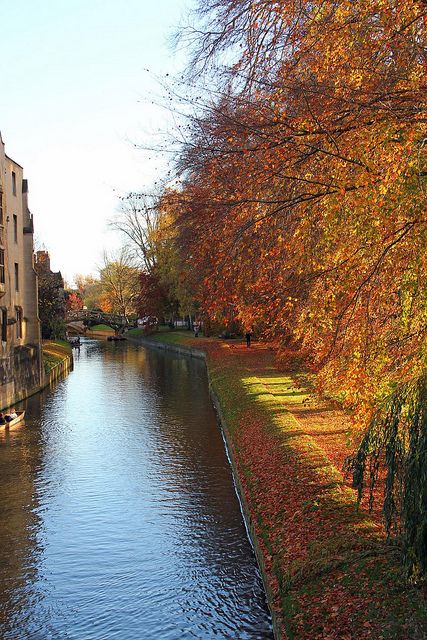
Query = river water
x=119 y=518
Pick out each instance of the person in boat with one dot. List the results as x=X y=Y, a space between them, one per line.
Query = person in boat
x=2 y=418
x=11 y=416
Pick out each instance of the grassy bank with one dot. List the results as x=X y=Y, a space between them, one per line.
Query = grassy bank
x=330 y=570
x=100 y=327
x=54 y=352
x=170 y=337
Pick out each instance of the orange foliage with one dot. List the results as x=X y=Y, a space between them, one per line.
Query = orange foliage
x=105 y=303
x=303 y=197
x=73 y=301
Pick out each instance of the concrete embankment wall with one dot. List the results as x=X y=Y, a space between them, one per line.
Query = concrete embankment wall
x=198 y=353
x=19 y=375
x=58 y=371
x=26 y=379
x=99 y=335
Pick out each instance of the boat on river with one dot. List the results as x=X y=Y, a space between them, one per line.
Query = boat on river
x=15 y=421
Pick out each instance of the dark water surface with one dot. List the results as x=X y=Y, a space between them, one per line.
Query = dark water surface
x=119 y=518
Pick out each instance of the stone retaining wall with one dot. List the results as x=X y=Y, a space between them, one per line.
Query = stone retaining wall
x=58 y=371
x=99 y=335
x=25 y=379
x=20 y=375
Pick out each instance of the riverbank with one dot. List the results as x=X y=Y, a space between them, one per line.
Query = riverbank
x=328 y=569
x=56 y=361
x=57 y=357
x=100 y=332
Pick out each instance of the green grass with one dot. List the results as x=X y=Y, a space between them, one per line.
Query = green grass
x=168 y=336
x=50 y=361
x=136 y=332
x=63 y=343
x=54 y=352
x=172 y=337
x=101 y=327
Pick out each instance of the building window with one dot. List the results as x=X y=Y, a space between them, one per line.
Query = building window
x=2 y=274
x=18 y=315
x=4 y=325
x=15 y=228
x=16 y=276
x=14 y=183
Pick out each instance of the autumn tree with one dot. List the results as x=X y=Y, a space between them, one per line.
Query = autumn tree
x=119 y=284
x=138 y=219
x=149 y=226
x=153 y=300
x=89 y=289
x=302 y=209
x=73 y=300
x=176 y=274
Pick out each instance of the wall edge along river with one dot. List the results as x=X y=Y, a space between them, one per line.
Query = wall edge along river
x=202 y=355
x=58 y=371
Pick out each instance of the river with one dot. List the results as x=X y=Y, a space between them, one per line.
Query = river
x=119 y=515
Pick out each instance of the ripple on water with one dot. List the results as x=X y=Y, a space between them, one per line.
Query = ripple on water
x=118 y=502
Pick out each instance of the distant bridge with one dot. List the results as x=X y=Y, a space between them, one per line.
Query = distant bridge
x=78 y=321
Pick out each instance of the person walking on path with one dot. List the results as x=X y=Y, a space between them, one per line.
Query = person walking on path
x=248 y=336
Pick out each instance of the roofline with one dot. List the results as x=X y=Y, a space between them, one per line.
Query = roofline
x=14 y=162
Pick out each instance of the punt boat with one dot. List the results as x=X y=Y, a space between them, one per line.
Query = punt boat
x=16 y=420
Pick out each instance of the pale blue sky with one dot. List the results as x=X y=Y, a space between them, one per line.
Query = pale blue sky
x=74 y=94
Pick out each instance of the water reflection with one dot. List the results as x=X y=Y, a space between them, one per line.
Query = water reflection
x=119 y=515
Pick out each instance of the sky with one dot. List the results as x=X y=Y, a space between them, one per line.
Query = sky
x=78 y=82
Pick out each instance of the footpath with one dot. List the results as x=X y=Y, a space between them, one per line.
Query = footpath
x=328 y=569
